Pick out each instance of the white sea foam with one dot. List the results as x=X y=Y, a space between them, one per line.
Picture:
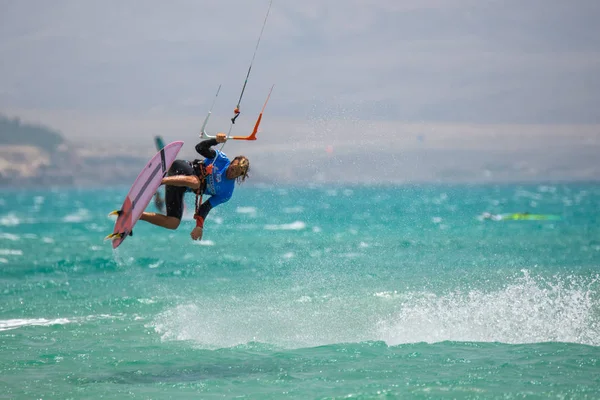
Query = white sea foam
x=9 y=324
x=387 y=294
x=9 y=219
x=11 y=252
x=246 y=210
x=80 y=215
x=93 y=227
x=294 y=226
x=9 y=236
x=206 y=242
x=527 y=310
x=302 y=321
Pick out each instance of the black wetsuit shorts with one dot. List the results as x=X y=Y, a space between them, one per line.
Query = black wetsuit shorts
x=174 y=194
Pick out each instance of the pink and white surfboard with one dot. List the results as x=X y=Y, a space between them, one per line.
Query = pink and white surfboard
x=143 y=189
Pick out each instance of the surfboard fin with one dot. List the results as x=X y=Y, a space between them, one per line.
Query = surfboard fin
x=114 y=236
x=115 y=212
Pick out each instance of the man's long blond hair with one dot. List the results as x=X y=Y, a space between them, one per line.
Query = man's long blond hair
x=245 y=164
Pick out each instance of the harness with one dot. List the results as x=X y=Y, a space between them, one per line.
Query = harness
x=202 y=171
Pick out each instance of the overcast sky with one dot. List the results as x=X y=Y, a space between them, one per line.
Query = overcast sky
x=93 y=68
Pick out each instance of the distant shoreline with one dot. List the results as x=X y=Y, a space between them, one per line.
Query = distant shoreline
x=93 y=186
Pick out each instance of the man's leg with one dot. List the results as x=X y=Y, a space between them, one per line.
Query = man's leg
x=173 y=199
x=174 y=203
x=160 y=220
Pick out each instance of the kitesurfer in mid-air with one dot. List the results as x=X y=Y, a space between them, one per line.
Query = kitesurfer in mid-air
x=215 y=175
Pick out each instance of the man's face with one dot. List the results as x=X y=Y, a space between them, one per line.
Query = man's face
x=234 y=170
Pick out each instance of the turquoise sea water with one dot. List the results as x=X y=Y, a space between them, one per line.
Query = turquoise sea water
x=308 y=293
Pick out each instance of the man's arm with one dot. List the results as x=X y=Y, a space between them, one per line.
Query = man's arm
x=190 y=181
x=199 y=216
x=204 y=148
x=203 y=210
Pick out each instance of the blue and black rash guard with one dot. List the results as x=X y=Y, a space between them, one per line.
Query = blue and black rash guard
x=218 y=186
